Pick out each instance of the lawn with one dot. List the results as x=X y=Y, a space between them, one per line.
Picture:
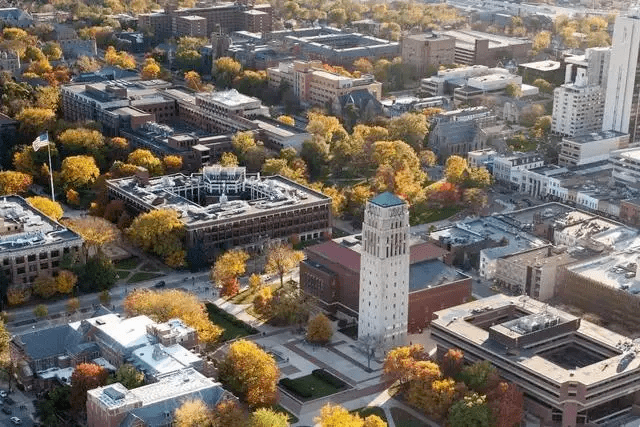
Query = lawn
x=432 y=215
x=402 y=418
x=128 y=264
x=141 y=276
x=371 y=410
x=247 y=296
x=316 y=386
x=148 y=267
x=233 y=327
x=123 y=274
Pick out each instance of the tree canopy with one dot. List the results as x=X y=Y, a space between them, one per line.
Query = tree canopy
x=160 y=231
x=47 y=206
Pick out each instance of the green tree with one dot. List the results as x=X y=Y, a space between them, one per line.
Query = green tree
x=129 y=376
x=480 y=377
x=472 y=411
x=40 y=311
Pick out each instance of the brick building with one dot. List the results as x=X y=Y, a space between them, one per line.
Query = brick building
x=428 y=51
x=331 y=273
x=630 y=211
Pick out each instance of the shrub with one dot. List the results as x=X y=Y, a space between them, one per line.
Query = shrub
x=328 y=378
x=300 y=389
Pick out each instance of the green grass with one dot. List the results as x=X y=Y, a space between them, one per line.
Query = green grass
x=233 y=327
x=336 y=232
x=292 y=418
x=371 y=410
x=141 y=276
x=127 y=264
x=432 y=215
x=319 y=387
x=123 y=274
x=402 y=418
x=149 y=267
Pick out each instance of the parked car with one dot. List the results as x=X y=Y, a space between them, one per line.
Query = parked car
x=15 y=420
x=6 y=411
x=3 y=393
x=9 y=401
x=160 y=284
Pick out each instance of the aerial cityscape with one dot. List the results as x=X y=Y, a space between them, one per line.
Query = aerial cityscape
x=295 y=213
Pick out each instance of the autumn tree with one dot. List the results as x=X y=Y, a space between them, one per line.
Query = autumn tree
x=35 y=120
x=287 y=120
x=255 y=282
x=72 y=305
x=265 y=417
x=228 y=160
x=251 y=373
x=243 y=142
x=47 y=97
x=95 y=231
x=40 y=311
x=337 y=416
x=172 y=164
x=398 y=170
x=281 y=259
x=455 y=168
x=471 y=411
x=514 y=90
x=52 y=50
x=14 y=182
x=85 y=377
x=66 y=281
x=119 y=59
x=79 y=171
x=193 y=413
x=410 y=128
x=452 y=363
x=193 y=80
x=262 y=301
x=47 y=206
x=399 y=362
x=188 y=55
x=150 y=69
x=164 y=305
x=226 y=270
x=506 y=403
x=363 y=65
x=44 y=286
x=160 y=231
x=146 y=159
x=428 y=158
x=319 y=329
x=480 y=376
x=225 y=69
x=129 y=376
x=82 y=141
x=229 y=414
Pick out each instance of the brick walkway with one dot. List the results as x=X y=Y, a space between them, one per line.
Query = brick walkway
x=332 y=349
x=292 y=346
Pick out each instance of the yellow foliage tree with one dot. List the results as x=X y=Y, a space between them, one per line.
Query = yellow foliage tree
x=255 y=282
x=251 y=372
x=164 y=305
x=454 y=169
x=119 y=59
x=228 y=267
x=73 y=197
x=46 y=206
x=287 y=120
x=337 y=416
x=66 y=281
x=14 y=182
x=150 y=69
x=17 y=295
x=79 y=171
x=193 y=80
x=243 y=142
x=45 y=286
x=82 y=140
x=95 y=231
x=48 y=97
x=161 y=232
x=172 y=164
x=281 y=259
x=319 y=329
x=72 y=305
x=228 y=159
x=36 y=120
x=146 y=159
x=266 y=417
x=192 y=413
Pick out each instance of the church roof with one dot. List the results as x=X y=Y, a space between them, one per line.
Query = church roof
x=387 y=199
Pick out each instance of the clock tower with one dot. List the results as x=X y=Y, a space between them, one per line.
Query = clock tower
x=384 y=271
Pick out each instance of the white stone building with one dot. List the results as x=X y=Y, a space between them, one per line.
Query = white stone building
x=384 y=271
x=508 y=169
x=590 y=148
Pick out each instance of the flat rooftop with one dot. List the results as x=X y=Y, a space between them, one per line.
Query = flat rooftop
x=591 y=367
x=228 y=98
x=128 y=333
x=595 y=136
x=27 y=227
x=431 y=274
x=468 y=38
x=231 y=193
x=542 y=65
x=617 y=270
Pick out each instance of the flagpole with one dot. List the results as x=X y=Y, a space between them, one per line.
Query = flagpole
x=53 y=194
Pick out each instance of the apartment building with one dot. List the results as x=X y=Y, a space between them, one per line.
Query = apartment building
x=9 y=61
x=31 y=243
x=312 y=84
x=571 y=371
x=427 y=51
x=590 y=148
x=626 y=167
x=190 y=26
x=223 y=208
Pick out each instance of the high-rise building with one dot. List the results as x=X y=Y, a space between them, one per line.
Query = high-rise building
x=621 y=111
x=384 y=271
x=578 y=105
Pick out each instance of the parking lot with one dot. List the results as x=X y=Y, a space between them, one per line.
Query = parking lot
x=16 y=404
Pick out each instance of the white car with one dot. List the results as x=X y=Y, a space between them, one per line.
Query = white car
x=3 y=393
x=15 y=420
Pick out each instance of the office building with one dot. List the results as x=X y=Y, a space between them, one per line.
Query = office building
x=475 y=47
x=626 y=167
x=571 y=371
x=590 y=148
x=445 y=81
x=630 y=211
x=384 y=271
x=427 y=51
x=223 y=208
x=31 y=243
x=508 y=169
x=313 y=85
x=621 y=98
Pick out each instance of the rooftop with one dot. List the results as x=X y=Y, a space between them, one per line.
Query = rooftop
x=156 y=359
x=22 y=226
x=468 y=38
x=387 y=199
x=228 y=98
x=595 y=136
x=617 y=270
x=128 y=333
x=542 y=65
x=431 y=274
x=572 y=359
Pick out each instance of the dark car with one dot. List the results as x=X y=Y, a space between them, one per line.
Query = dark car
x=6 y=411
x=160 y=284
x=9 y=401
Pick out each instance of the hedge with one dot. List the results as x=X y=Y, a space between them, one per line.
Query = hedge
x=301 y=389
